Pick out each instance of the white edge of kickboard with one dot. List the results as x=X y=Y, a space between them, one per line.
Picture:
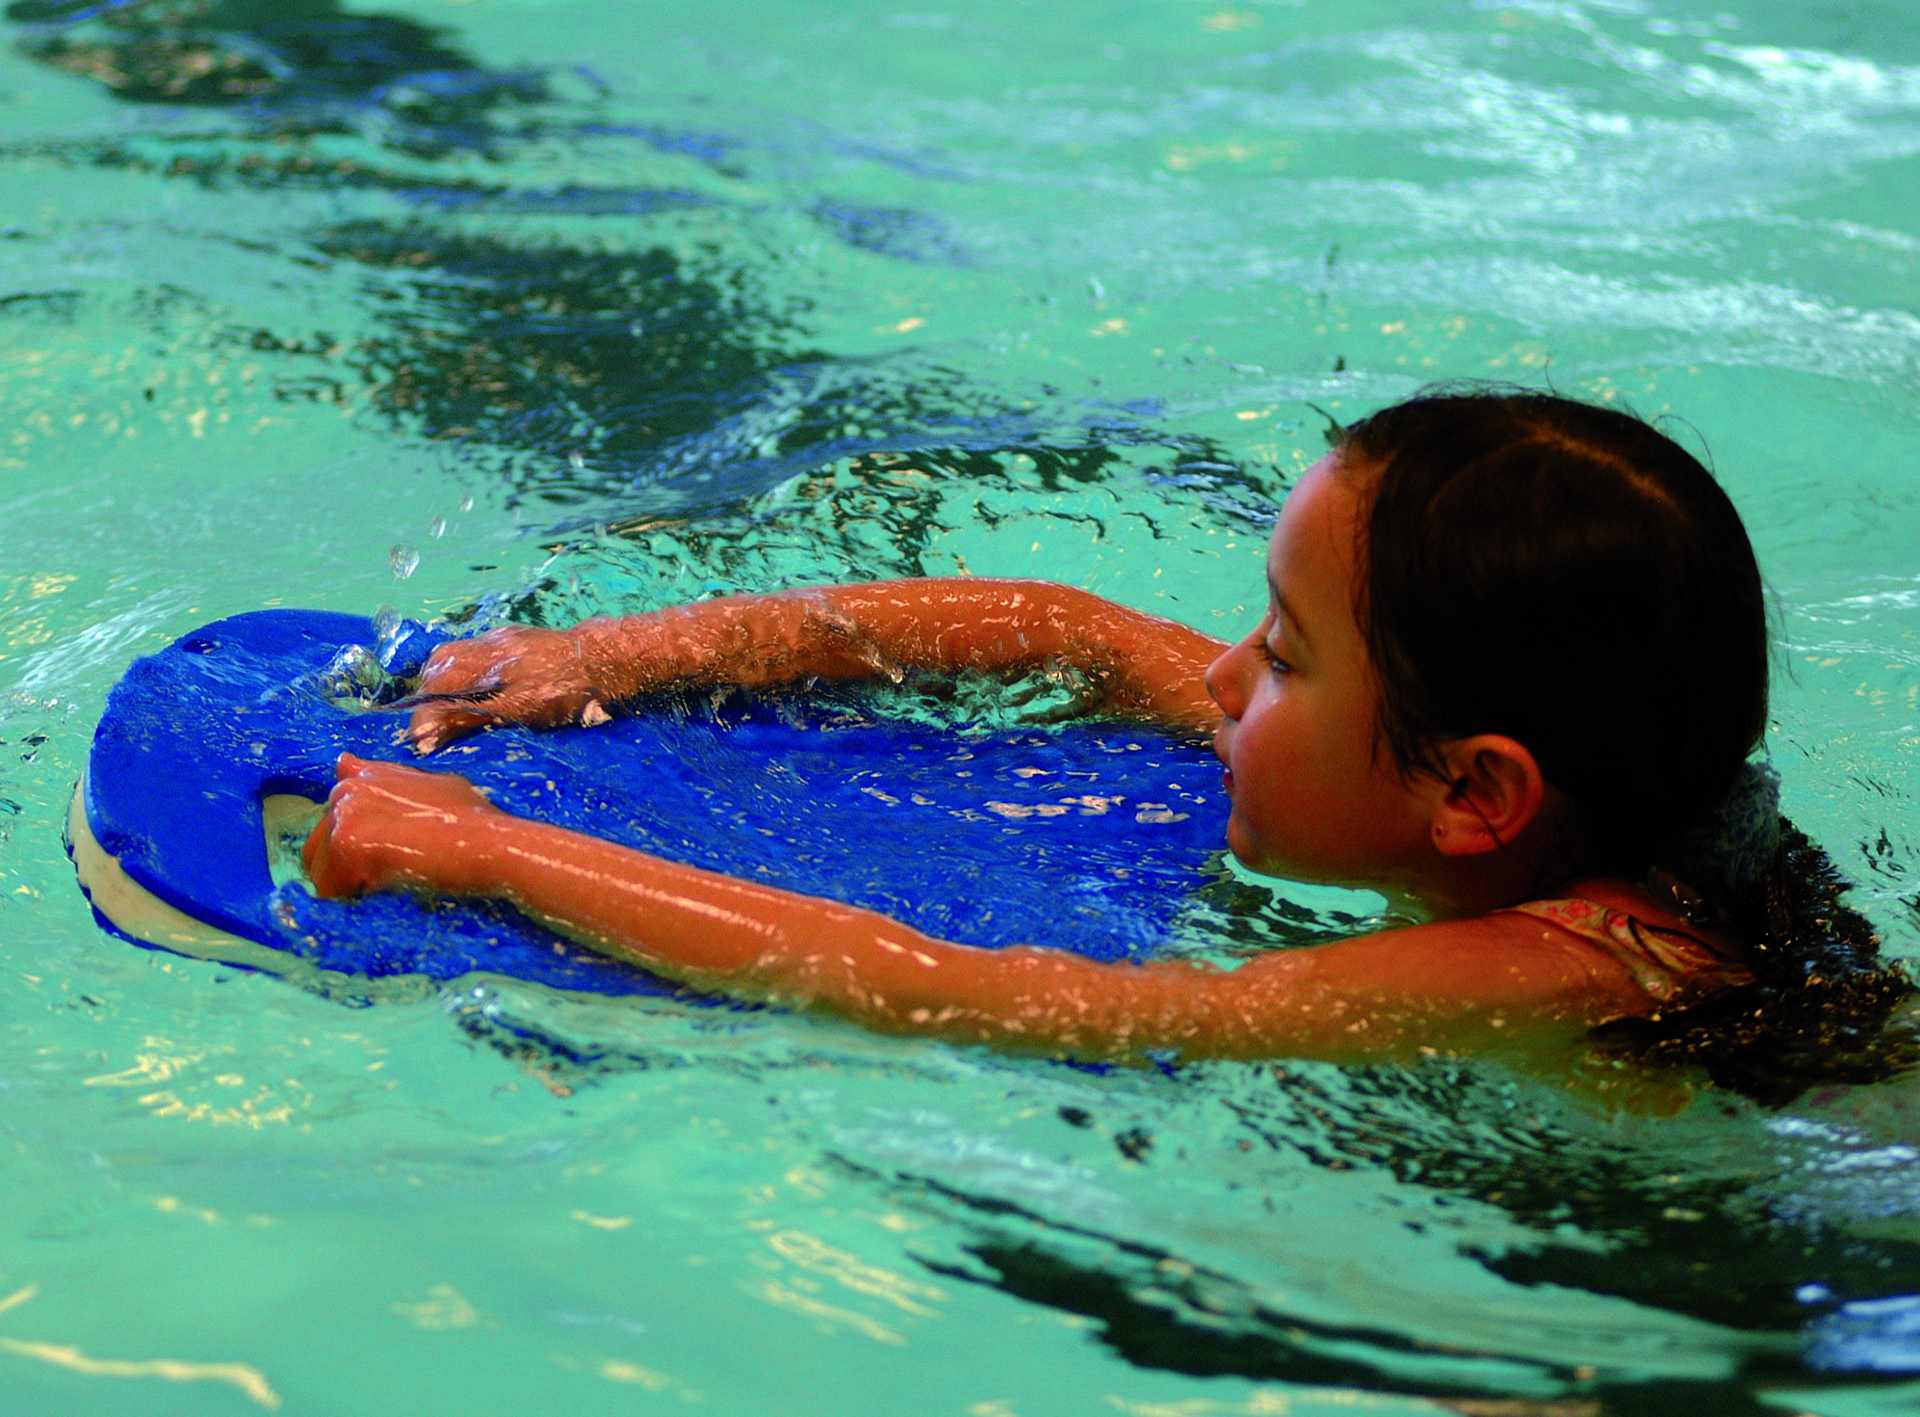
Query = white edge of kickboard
x=137 y=912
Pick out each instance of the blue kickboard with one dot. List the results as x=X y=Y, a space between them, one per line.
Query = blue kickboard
x=1084 y=837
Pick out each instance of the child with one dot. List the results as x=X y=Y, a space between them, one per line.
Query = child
x=1514 y=657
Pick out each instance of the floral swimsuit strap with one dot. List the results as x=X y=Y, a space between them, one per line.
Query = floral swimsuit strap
x=1670 y=965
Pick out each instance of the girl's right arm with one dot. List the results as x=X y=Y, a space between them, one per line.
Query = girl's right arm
x=1468 y=983
x=1146 y=667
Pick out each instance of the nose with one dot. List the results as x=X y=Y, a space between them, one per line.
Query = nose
x=1224 y=682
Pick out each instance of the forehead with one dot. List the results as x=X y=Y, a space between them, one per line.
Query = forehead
x=1314 y=548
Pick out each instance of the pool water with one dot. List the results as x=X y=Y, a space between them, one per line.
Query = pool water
x=536 y=308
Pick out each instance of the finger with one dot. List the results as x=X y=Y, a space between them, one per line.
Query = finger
x=452 y=696
x=456 y=667
x=537 y=706
x=549 y=705
x=313 y=855
x=433 y=726
x=351 y=768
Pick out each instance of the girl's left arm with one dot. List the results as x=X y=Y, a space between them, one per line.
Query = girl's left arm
x=389 y=827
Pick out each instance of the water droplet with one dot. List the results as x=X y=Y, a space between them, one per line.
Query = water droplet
x=466 y=503
x=637 y=329
x=576 y=462
x=403 y=560
x=437 y=528
x=1095 y=290
x=385 y=621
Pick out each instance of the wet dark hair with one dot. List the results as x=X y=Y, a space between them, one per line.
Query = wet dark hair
x=1823 y=1007
x=1569 y=576
x=1572 y=578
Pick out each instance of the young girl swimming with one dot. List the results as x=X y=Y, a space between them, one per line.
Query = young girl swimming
x=1513 y=663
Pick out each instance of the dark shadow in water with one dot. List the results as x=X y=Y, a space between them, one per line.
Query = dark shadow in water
x=1137 y=1323
x=58 y=306
x=883 y=511
x=1716 y=1249
x=604 y=358
x=314 y=67
x=218 y=161
x=622 y=369
x=1158 y=1311
x=293 y=65
x=309 y=68
x=881 y=514
x=297 y=71
x=888 y=231
x=614 y=369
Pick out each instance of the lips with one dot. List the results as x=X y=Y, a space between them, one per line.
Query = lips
x=1220 y=751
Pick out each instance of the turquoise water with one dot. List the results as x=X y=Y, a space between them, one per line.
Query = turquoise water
x=549 y=306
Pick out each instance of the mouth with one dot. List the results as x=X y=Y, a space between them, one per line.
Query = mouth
x=1220 y=751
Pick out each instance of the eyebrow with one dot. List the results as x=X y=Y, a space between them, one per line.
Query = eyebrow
x=1280 y=602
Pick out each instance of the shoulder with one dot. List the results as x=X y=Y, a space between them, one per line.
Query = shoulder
x=1506 y=961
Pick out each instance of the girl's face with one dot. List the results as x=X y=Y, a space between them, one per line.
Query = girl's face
x=1312 y=799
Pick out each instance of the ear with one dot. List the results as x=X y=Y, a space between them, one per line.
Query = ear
x=1493 y=791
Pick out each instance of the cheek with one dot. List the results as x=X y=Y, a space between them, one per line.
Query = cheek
x=1306 y=802
x=1274 y=780
x=1275 y=739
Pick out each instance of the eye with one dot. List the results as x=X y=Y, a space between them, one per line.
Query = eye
x=1275 y=663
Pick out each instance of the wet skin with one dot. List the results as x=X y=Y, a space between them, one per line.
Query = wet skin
x=1291 y=708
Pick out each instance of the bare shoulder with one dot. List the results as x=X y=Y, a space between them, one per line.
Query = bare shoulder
x=1504 y=962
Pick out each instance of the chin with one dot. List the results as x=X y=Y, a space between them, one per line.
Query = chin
x=1249 y=855
x=1263 y=860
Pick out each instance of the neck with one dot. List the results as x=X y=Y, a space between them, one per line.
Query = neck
x=1548 y=854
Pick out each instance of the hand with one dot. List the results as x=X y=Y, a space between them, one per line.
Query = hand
x=389 y=826
x=518 y=674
